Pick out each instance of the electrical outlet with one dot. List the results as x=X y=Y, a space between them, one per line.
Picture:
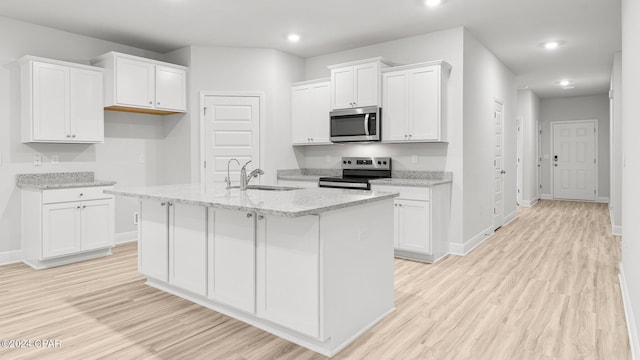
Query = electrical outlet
x=414 y=159
x=37 y=160
x=55 y=159
x=142 y=158
x=136 y=218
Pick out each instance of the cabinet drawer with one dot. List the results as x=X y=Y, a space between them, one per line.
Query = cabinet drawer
x=406 y=192
x=75 y=194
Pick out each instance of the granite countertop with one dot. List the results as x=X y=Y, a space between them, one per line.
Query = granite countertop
x=65 y=180
x=293 y=203
x=398 y=178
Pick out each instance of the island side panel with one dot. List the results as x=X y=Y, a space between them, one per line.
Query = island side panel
x=357 y=265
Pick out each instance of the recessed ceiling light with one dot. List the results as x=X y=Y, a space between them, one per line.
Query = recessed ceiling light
x=551 y=45
x=293 y=38
x=566 y=83
x=432 y=3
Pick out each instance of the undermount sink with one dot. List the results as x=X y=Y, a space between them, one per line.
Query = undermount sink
x=268 y=187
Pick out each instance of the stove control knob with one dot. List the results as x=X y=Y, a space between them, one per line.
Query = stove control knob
x=344 y=162
x=384 y=162
x=349 y=162
x=379 y=162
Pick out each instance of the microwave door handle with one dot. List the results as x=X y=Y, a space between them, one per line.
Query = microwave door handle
x=366 y=124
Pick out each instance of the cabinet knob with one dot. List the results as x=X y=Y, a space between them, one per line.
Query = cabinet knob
x=78 y=207
x=410 y=136
x=158 y=102
x=84 y=206
x=249 y=215
x=163 y=204
x=260 y=217
x=81 y=194
x=150 y=102
x=68 y=135
x=73 y=136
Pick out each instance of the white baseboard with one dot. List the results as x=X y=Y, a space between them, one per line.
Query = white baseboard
x=603 y=199
x=628 y=313
x=10 y=257
x=509 y=218
x=616 y=230
x=528 y=203
x=546 y=196
x=126 y=237
x=469 y=245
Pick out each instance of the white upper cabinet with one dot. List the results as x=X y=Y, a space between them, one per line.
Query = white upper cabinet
x=143 y=85
x=62 y=102
x=414 y=102
x=356 y=84
x=310 y=107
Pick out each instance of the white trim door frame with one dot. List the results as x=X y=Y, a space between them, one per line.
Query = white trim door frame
x=498 y=163
x=519 y=162
x=553 y=163
x=203 y=118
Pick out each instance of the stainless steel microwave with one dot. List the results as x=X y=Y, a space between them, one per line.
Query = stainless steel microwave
x=357 y=124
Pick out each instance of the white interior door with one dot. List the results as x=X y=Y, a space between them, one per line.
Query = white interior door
x=232 y=130
x=519 y=167
x=574 y=160
x=539 y=154
x=498 y=170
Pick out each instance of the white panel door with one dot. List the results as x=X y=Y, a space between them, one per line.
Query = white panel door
x=171 y=88
x=367 y=84
x=342 y=88
x=395 y=106
x=97 y=224
x=574 y=160
x=50 y=102
x=60 y=229
x=498 y=166
x=153 y=240
x=301 y=117
x=135 y=83
x=320 y=112
x=424 y=104
x=188 y=247
x=413 y=226
x=232 y=130
x=86 y=105
x=232 y=256
x=289 y=272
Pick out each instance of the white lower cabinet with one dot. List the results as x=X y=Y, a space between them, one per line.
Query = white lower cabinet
x=421 y=221
x=289 y=272
x=66 y=225
x=188 y=247
x=153 y=240
x=232 y=249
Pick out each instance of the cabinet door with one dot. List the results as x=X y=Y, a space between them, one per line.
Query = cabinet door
x=413 y=226
x=50 y=102
x=232 y=249
x=424 y=104
x=394 y=105
x=301 y=115
x=289 y=272
x=97 y=224
x=188 y=248
x=320 y=113
x=342 y=88
x=86 y=105
x=153 y=241
x=135 y=85
x=367 y=84
x=171 y=88
x=60 y=229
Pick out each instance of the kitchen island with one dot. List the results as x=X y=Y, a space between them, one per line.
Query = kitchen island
x=313 y=266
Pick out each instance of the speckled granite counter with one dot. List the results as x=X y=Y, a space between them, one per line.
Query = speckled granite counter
x=399 y=178
x=294 y=203
x=65 y=180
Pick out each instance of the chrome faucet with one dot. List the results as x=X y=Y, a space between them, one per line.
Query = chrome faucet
x=228 y=178
x=244 y=179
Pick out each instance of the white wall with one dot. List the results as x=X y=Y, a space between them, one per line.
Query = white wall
x=615 y=139
x=486 y=78
x=442 y=45
x=235 y=69
x=577 y=108
x=529 y=111
x=631 y=165
x=127 y=135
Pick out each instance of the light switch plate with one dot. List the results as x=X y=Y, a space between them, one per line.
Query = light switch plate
x=37 y=160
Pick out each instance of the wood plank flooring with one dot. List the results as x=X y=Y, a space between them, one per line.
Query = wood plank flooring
x=543 y=287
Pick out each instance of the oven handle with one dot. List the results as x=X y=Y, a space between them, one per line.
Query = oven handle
x=366 y=124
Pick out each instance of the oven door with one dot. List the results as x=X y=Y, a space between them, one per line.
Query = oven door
x=359 y=124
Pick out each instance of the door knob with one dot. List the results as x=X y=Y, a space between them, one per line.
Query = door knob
x=502 y=172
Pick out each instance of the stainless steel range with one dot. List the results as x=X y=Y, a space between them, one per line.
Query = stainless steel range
x=357 y=171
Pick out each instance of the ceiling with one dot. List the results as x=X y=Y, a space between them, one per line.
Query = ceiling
x=511 y=29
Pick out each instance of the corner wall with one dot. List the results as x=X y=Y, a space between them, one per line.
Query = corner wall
x=529 y=111
x=576 y=108
x=615 y=136
x=486 y=78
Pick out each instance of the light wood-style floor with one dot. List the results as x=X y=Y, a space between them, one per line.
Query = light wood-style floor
x=543 y=287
